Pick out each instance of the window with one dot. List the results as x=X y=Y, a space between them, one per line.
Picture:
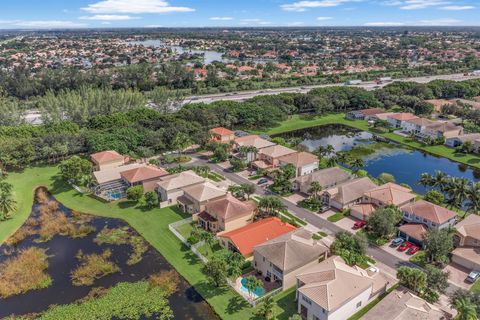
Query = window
x=359 y=304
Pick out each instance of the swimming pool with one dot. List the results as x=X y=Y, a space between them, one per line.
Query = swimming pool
x=257 y=293
x=114 y=195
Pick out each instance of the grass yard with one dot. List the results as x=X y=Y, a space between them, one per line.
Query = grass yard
x=185 y=230
x=336 y=217
x=297 y=122
x=151 y=224
x=419 y=259
x=476 y=287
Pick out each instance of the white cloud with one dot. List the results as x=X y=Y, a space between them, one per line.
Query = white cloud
x=40 y=24
x=221 y=18
x=134 y=6
x=324 y=18
x=440 y=22
x=384 y=24
x=416 y=4
x=457 y=8
x=109 y=17
x=153 y=26
x=302 y=6
x=295 y=24
x=255 y=22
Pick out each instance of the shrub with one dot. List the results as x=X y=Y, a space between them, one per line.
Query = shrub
x=93 y=266
x=24 y=272
x=167 y=281
x=135 y=193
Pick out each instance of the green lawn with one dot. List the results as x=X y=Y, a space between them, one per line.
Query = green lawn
x=476 y=287
x=297 y=122
x=185 y=230
x=151 y=224
x=336 y=217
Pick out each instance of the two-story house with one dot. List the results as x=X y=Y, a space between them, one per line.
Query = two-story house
x=195 y=197
x=467 y=243
x=332 y=290
x=397 y=120
x=107 y=159
x=327 y=178
x=304 y=162
x=254 y=142
x=170 y=188
x=348 y=193
x=222 y=135
x=269 y=157
x=282 y=258
x=423 y=215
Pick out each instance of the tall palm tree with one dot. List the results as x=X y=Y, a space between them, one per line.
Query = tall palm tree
x=426 y=180
x=270 y=205
x=466 y=310
x=7 y=206
x=458 y=190
x=315 y=188
x=357 y=164
x=332 y=161
x=473 y=205
x=440 y=180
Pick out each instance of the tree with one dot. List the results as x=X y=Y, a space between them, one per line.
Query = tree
x=356 y=164
x=385 y=178
x=435 y=197
x=473 y=204
x=412 y=278
x=248 y=189
x=135 y=193
x=7 y=203
x=437 y=280
x=216 y=271
x=75 y=170
x=208 y=237
x=315 y=189
x=438 y=245
x=352 y=248
x=252 y=284
x=181 y=141
x=266 y=310
x=237 y=164
x=270 y=205
x=466 y=310
x=151 y=199
x=462 y=294
x=426 y=180
x=458 y=190
x=383 y=222
x=220 y=154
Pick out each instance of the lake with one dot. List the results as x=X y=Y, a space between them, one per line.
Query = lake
x=186 y=303
x=406 y=165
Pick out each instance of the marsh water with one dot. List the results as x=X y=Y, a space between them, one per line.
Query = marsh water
x=186 y=303
x=405 y=164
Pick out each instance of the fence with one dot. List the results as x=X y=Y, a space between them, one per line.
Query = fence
x=172 y=227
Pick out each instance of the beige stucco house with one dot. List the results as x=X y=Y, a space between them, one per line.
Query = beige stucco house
x=389 y=194
x=304 y=162
x=332 y=290
x=222 y=135
x=195 y=197
x=226 y=214
x=348 y=193
x=170 y=188
x=269 y=157
x=107 y=159
x=467 y=241
x=328 y=178
x=282 y=258
x=253 y=141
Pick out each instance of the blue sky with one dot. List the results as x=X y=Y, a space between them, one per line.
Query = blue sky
x=35 y=14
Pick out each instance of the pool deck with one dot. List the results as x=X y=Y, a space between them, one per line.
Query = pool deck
x=267 y=286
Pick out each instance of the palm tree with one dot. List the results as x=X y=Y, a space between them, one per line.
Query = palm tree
x=426 y=180
x=248 y=189
x=332 y=161
x=357 y=164
x=7 y=202
x=458 y=190
x=266 y=309
x=473 y=205
x=466 y=310
x=252 y=284
x=271 y=205
x=440 y=181
x=315 y=188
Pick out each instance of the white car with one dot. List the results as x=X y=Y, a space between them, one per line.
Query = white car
x=473 y=276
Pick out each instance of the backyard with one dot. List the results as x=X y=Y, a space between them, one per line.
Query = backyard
x=151 y=224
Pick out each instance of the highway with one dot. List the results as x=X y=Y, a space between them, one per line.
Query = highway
x=245 y=95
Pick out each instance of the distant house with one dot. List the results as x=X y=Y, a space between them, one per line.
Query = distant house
x=467 y=242
x=389 y=194
x=347 y=194
x=222 y=135
x=304 y=162
x=332 y=290
x=226 y=214
x=364 y=114
x=141 y=175
x=244 y=239
x=441 y=129
x=457 y=141
x=397 y=120
x=252 y=141
x=170 y=188
x=327 y=178
x=282 y=258
x=107 y=159
x=416 y=126
x=362 y=211
x=195 y=197
x=269 y=157
x=402 y=304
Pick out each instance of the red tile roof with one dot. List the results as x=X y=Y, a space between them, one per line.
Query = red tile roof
x=221 y=131
x=403 y=116
x=143 y=173
x=106 y=156
x=430 y=211
x=247 y=237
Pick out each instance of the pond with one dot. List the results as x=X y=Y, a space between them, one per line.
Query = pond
x=185 y=303
x=405 y=164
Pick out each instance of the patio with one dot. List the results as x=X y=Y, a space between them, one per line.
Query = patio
x=266 y=285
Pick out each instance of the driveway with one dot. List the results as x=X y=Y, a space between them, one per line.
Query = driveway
x=295 y=198
x=458 y=274
x=393 y=251
x=347 y=224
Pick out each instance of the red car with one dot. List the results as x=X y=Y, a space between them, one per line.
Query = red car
x=359 y=224
x=404 y=246
x=413 y=250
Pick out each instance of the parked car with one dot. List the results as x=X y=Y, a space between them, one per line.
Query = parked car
x=413 y=250
x=324 y=209
x=404 y=246
x=359 y=224
x=473 y=276
x=397 y=241
x=262 y=181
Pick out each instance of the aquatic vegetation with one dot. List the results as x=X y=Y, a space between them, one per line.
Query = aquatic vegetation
x=168 y=281
x=24 y=272
x=137 y=300
x=121 y=236
x=92 y=267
